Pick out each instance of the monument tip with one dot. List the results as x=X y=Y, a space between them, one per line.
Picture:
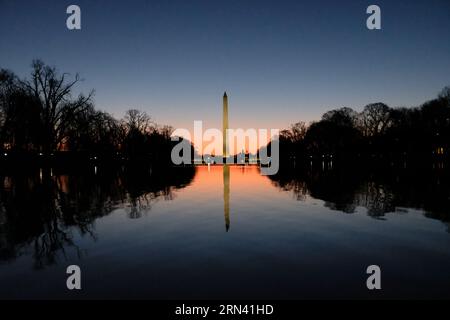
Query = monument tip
x=224 y=94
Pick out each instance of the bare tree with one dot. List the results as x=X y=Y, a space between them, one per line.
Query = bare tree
x=19 y=114
x=166 y=131
x=136 y=120
x=7 y=84
x=344 y=116
x=6 y=78
x=445 y=94
x=295 y=133
x=58 y=108
x=375 y=119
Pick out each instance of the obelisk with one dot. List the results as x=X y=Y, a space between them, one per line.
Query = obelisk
x=225 y=127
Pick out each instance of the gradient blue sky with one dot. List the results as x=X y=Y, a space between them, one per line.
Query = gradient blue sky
x=280 y=61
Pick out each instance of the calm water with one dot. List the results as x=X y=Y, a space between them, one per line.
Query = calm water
x=224 y=233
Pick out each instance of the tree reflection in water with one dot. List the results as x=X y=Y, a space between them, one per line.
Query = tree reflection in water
x=42 y=210
x=380 y=191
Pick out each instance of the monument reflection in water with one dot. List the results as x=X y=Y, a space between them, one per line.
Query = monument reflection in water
x=307 y=233
x=226 y=195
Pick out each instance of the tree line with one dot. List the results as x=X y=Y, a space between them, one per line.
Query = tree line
x=41 y=115
x=377 y=132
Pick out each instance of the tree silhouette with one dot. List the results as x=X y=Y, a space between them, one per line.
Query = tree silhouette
x=375 y=119
x=40 y=115
x=377 y=132
x=58 y=109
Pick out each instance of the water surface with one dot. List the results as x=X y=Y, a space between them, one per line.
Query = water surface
x=223 y=232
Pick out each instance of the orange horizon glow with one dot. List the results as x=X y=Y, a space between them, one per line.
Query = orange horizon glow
x=216 y=144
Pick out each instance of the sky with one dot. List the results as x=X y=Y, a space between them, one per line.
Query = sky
x=279 y=61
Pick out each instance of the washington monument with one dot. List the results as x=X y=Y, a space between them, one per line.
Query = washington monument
x=225 y=151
